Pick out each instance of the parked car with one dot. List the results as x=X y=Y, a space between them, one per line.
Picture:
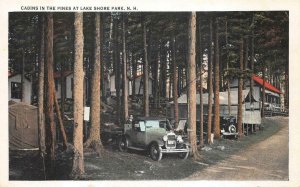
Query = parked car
x=228 y=127
x=155 y=135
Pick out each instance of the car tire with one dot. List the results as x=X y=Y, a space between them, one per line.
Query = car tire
x=123 y=144
x=183 y=155
x=155 y=152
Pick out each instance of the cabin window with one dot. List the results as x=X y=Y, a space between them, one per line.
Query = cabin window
x=16 y=90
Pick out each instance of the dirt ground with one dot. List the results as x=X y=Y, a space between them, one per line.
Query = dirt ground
x=259 y=156
x=265 y=160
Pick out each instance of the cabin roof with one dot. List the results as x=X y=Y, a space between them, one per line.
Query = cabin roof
x=27 y=75
x=268 y=86
x=223 y=97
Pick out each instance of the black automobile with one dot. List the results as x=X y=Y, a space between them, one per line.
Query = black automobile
x=228 y=126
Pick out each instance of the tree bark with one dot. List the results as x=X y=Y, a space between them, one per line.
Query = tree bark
x=163 y=72
x=156 y=79
x=209 y=84
x=175 y=83
x=125 y=85
x=252 y=61
x=145 y=68
x=286 y=78
x=134 y=70
x=23 y=77
x=240 y=92
x=246 y=54
x=263 y=93
x=200 y=58
x=117 y=73
x=50 y=122
x=78 y=163
x=227 y=66
x=217 y=84
x=60 y=121
x=192 y=84
x=41 y=115
x=95 y=111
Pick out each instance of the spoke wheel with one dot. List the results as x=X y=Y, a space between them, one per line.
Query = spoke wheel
x=183 y=155
x=155 y=152
x=123 y=144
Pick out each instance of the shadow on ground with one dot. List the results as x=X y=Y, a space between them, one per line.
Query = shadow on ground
x=134 y=165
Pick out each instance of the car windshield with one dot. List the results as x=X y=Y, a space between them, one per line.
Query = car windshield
x=153 y=124
x=158 y=124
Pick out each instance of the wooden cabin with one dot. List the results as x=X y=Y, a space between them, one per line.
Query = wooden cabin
x=272 y=94
x=251 y=112
x=15 y=88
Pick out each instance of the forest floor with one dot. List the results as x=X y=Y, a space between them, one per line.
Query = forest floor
x=239 y=160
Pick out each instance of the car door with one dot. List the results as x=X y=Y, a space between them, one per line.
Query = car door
x=139 y=134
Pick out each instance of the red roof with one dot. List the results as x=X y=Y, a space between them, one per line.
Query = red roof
x=268 y=86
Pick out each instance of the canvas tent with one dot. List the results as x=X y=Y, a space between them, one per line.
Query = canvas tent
x=23 y=126
x=251 y=113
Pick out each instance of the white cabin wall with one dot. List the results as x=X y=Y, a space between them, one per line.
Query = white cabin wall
x=27 y=88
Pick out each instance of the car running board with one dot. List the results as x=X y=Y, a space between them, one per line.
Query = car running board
x=135 y=148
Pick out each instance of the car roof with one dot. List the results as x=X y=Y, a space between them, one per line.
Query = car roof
x=150 y=118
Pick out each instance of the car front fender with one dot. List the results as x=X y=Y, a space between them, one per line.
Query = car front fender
x=160 y=143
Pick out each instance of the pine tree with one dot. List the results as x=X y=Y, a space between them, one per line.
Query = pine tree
x=41 y=88
x=216 y=82
x=145 y=68
x=192 y=83
x=78 y=162
x=209 y=83
x=124 y=74
x=94 y=136
x=50 y=122
x=240 y=92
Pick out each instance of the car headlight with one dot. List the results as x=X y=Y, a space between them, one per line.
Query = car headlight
x=179 y=138
x=232 y=129
x=165 y=138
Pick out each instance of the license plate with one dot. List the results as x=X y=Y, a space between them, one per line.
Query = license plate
x=171 y=142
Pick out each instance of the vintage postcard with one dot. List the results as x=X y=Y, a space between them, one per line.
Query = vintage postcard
x=160 y=93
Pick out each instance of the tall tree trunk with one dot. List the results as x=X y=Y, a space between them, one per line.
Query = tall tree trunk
x=134 y=70
x=156 y=79
x=217 y=84
x=50 y=122
x=145 y=68
x=117 y=74
x=240 y=92
x=23 y=77
x=78 y=163
x=246 y=48
x=263 y=92
x=192 y=84
x=286 y=78
x=60 y=121
x=246 y=53
x=95 y=111
x=227 y=67
x=125 y=85
x=41 y=89
x=252 y=61
x=209 y=84
x=175 y=83
x=200 y=58
x=163 y=66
